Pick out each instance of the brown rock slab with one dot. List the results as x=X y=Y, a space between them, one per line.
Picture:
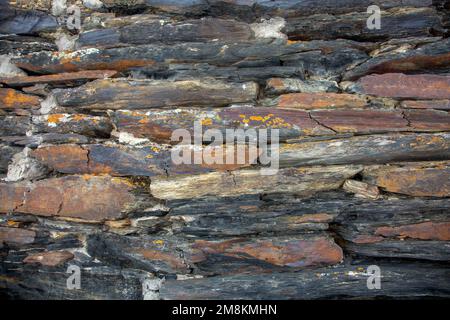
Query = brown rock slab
x=401 y=86
x=283 y=252
x=427 y=180
x=118 y=160
x=428 y=120
x=426 y=104
x=361 y=121
x=311 y=101
x=423 y=231
x=87 y=197
x=16 y=236
x=49 y=258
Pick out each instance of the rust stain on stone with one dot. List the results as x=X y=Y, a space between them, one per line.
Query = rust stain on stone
x=289 y=253
x=422 y=231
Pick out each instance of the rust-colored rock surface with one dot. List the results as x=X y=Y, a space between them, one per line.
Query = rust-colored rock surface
x=86 y=197
x=397 y=85
x=310 y=101
x=424 y=231
x=418 y=181
x=49 y=258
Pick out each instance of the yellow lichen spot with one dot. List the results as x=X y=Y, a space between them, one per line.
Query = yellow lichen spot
x=158 y=242
x=149 y=156
x=206 y=122
x=156 y=149
x=242 y=116
x=360 y=269
x=55 y=118
x=246 y=121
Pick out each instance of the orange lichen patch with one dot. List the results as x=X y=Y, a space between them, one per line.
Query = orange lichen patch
x=172 y=260
x=50 y=258
x=310 y=101
x=55 y=118
x=12 y=99
x=423 y=231
x=256 y=118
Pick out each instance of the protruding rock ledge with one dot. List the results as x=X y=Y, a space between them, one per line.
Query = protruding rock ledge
x=154 y=29
x=418 y=180
x=236 y=255
x=144 y=94
x=94 y=198
x=400 y=280
x=367 y=150
x=301 y=181
x=72 y=78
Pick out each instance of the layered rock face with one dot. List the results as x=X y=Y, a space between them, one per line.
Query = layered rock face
x=89 y=183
